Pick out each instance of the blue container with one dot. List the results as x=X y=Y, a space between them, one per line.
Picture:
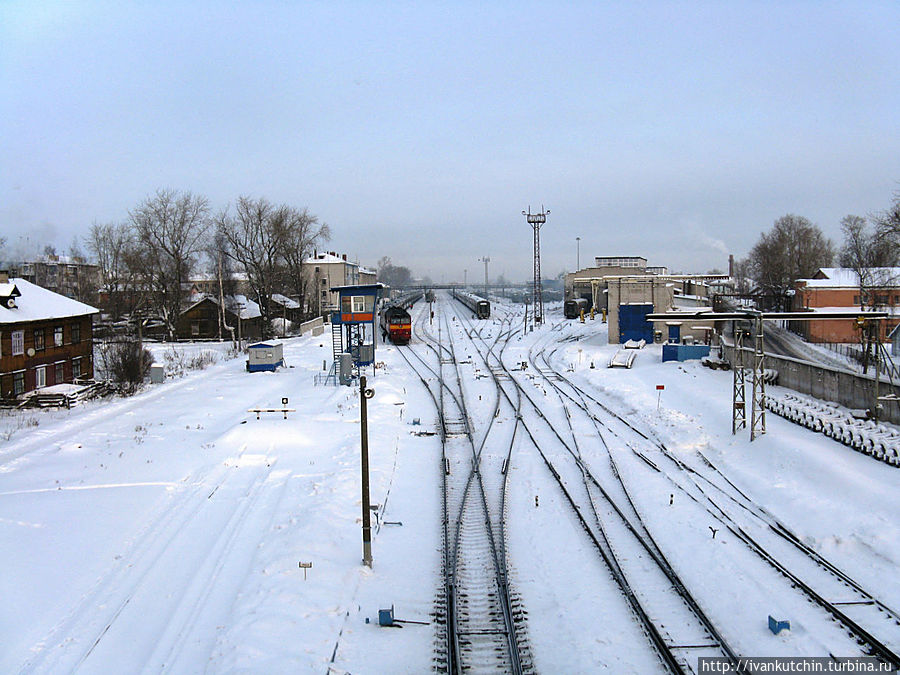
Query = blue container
x=386 y=617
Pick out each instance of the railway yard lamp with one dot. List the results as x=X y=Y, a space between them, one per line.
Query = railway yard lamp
x=536 y=220
x=485 y=260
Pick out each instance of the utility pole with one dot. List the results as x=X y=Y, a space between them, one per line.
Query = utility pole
x=485 y=260
x=364 y=395
x=536 y=220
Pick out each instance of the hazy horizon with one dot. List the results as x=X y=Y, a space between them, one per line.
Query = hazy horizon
x=674 y=131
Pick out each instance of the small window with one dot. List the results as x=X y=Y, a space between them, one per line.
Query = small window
x=359 y=304
x=19 y=382
x=76 y=367
x=40 y=377
x=60 y=374
x=195 y=328
x=38 y=339
x=58 y=336
x=76 y=333
x=18 y=342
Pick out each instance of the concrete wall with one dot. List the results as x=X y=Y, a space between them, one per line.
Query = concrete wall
x=317 y=326
x=846 y=388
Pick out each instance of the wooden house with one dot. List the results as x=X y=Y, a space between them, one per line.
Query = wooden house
x=200 y=321
x=45 y=338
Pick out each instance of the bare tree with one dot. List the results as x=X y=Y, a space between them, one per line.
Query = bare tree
x=868 y=252
x=256 y=241
x=109 y=244
x=302 y=232
x=393 y=275
x=169 y=231
x=793 y=249
x=887 y=225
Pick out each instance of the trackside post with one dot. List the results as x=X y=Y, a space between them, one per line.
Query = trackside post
x=364 y=395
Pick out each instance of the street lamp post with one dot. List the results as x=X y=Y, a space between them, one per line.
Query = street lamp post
x=577 y=253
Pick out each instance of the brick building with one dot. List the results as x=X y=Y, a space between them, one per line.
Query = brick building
x=45 y=338
x=836 y=289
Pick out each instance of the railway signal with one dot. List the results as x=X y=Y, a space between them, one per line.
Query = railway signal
x=364 y=395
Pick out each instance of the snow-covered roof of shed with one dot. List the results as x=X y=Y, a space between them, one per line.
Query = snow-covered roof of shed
x=285 y=301
x=844 y=277
x=38 y=304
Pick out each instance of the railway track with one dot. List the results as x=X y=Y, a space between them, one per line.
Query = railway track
x=674 y=623
x=482 y=626
x=856 y=610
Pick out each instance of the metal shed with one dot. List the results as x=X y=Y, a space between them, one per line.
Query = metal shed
x=264 y=356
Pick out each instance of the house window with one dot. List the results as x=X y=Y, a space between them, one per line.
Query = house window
x=58 y=336
x=195 y=328
x=76 y=333
x=76 y=367
x=881 y=299
x=359 y=304
x=18 y=343
x=40 y=377
x=60 y=374
x=19 y=382
x=855 y=299
x=38 y=339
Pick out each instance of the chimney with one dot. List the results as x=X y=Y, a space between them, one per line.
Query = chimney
x=344 y=257
x=731 y=266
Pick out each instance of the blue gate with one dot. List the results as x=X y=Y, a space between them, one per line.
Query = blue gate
x=633 y=324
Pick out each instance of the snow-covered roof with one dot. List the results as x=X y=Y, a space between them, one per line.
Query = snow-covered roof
x=844 y=277
x=853 y=312
x=9 y=290
x=285 y=301
x=234 y=276
x=326 y=258
x=38 y=304
x=249 y=309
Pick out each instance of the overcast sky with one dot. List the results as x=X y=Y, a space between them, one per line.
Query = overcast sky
x=421 y=131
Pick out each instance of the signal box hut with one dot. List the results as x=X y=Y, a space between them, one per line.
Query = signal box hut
x=353 y=325
x=264 y=356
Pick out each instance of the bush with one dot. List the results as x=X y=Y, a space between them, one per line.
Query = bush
x=127 y=364
x=178 y=362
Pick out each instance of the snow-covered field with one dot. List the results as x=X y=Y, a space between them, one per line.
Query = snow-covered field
x=164 y=532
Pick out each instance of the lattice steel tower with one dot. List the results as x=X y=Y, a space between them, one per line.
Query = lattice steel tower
x=536 y=220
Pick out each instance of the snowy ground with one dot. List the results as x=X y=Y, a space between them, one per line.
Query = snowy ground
x=164 y=532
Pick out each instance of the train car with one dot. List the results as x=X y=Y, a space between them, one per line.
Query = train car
x=573 y=308
x=396 y=324
x=479 y=306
